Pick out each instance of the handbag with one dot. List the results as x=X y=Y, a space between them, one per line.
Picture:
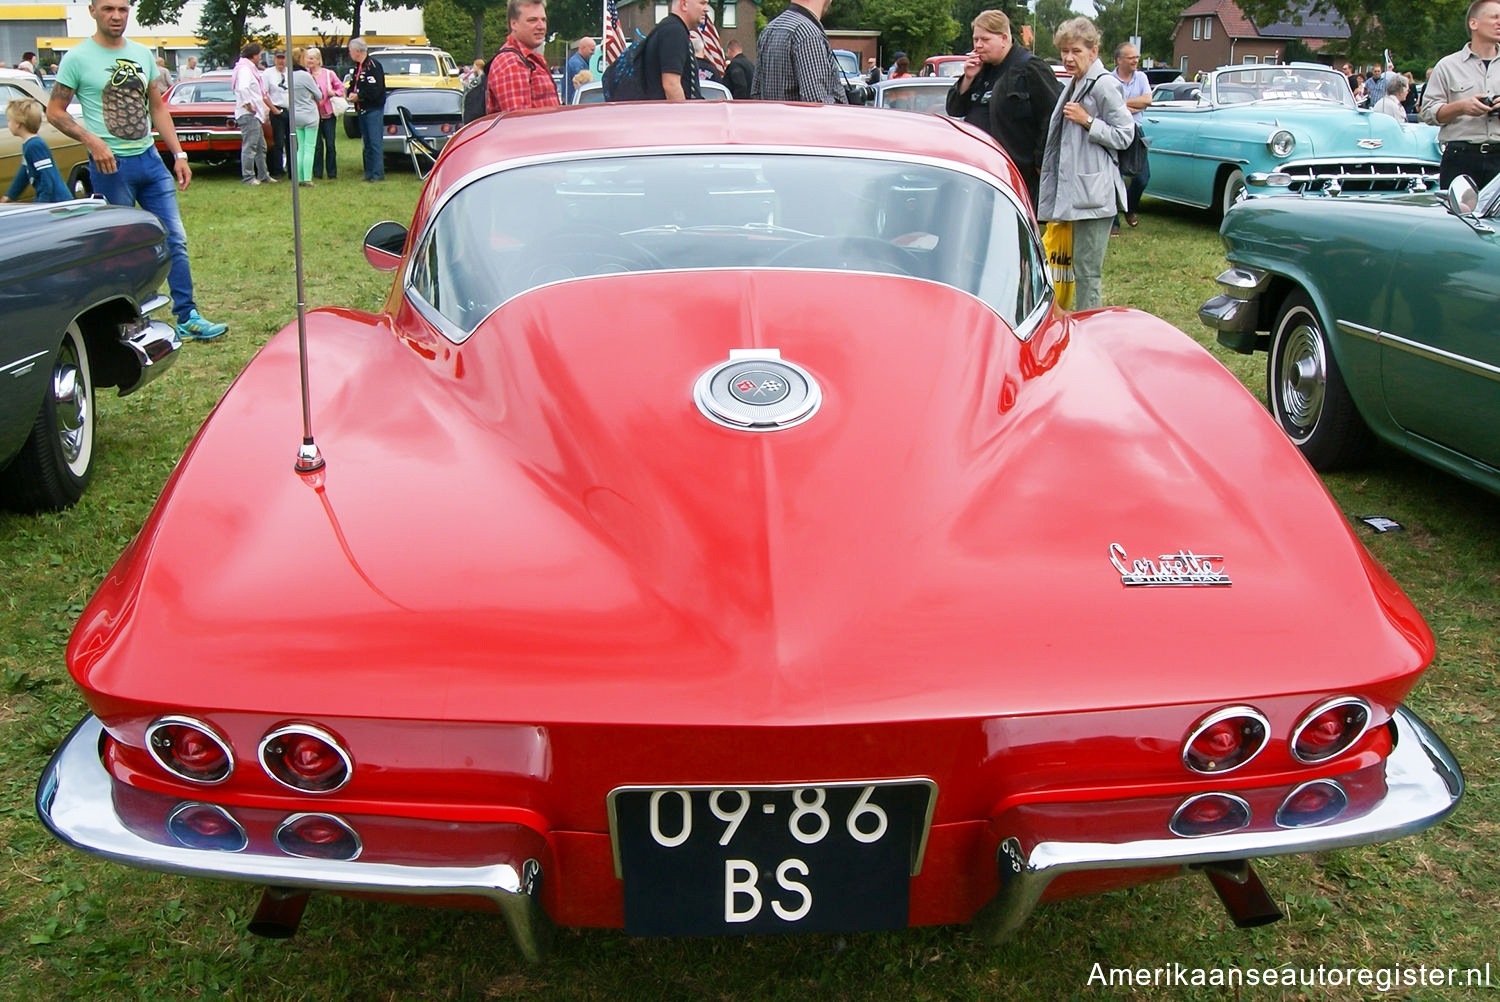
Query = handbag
x=338 y=103
x=1057 y=243
x=1132 y=159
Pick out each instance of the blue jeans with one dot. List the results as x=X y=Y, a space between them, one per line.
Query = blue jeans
x=143 y=179
x=371 y=131
x=326 y=151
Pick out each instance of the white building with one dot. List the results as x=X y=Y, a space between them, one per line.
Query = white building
x=52 y=28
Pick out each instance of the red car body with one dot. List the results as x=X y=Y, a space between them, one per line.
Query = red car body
x=996 y=620
x=202 y=111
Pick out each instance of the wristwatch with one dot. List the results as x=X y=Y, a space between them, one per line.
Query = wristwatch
x=181 y=155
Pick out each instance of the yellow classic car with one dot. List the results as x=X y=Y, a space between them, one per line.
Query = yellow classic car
x=70 y=156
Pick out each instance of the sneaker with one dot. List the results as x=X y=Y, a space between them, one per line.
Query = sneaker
x=196 y=328
x=269 y=180
x=304 y=184
x=250 y=180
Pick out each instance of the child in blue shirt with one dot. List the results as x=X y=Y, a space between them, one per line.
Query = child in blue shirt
x=23 y=117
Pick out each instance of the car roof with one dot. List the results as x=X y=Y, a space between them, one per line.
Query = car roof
x=567 y=132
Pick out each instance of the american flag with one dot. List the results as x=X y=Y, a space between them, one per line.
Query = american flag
x=711 y=45
x=614 y=37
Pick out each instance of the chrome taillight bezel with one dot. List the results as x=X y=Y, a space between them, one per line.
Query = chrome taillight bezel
x=179 y=720
x=308 y=730
x=1341 y=798
x=187 y=805
x=1316 y=712
x=292 y=819
x=1243 y=806
x=1219 y=715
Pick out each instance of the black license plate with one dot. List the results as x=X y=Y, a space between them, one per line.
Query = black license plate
x=705 y=861
x=192 y=137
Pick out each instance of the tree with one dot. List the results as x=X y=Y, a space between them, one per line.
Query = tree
x=351 y=10
x=1367 y=19
x=1050 y=14
x=456 y=26
x=919 y=28
x=1117 y=18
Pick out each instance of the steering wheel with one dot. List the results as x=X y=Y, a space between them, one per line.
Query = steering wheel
x=846 y=254
x=577 y=252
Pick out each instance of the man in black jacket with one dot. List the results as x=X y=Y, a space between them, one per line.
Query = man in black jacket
x=1009 y=93
x=367 y=91
x=739 y=72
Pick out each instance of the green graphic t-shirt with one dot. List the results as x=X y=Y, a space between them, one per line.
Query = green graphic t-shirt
x=111 y=86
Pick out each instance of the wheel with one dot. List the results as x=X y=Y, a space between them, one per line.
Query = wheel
x=1307 y=393
x=846 y=254
x=1232 y=190
x=54 y=465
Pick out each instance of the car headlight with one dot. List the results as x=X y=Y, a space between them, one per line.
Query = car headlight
x=1281 y=143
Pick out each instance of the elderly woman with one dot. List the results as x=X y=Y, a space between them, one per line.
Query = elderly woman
x=1081 y=183
x=1394 y=102
x=305 y=94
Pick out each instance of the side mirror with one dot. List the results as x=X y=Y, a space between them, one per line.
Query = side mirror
x=384 y=243
x=1461 y=197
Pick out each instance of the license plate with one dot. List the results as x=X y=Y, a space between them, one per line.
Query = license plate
x=703 y=861
x=192 y=137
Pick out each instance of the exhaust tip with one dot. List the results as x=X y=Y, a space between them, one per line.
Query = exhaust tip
x=279 y=913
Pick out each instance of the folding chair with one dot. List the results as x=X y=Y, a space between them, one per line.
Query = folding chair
x=423 y=154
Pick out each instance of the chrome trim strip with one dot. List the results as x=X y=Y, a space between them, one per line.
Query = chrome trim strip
x=1199 y=156
x=177 y=720
x=308 y=730
x=1423 y=785
x=449 y=330
x=22 y=361
x=156 y=302
x=917 y=855
x=1323 y=707
x=74 y=800
x=1463 y=363
x=1227 y=713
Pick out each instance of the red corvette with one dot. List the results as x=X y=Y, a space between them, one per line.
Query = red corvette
x=726 y=533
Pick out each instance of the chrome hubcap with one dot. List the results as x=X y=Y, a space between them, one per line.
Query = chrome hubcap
x=1304 y=375
x=70 y=394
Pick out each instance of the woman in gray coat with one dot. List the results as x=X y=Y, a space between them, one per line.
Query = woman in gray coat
x=1080 y=180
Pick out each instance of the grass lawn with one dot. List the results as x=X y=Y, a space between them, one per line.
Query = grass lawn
x=72 y=927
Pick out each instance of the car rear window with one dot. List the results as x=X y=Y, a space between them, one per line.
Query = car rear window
x=416 y=64
x=723 y=210
x=195 y=91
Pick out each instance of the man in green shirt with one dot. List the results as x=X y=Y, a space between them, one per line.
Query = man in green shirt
x=117 y=85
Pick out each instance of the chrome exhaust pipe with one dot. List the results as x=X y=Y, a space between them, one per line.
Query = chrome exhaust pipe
x=279 y=912
x=1243 y=895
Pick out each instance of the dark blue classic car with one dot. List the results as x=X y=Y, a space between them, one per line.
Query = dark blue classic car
x=77 y=281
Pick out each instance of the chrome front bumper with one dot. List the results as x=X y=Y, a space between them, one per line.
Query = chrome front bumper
x=1423 y=784
x=75 y=801
x=1235 y=312
x=153 y=344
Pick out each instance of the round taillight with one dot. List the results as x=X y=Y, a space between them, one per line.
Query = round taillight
x=206 y=826
x=1330 y=728
x=1209 y=814
x=190 y=749
x=1225 y=739
x=317 y=836
x=1312 y=804
x=305 y=758
x=390 y=130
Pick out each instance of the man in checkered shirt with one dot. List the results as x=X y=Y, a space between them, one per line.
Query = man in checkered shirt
x=794 y=60
x=518 y=76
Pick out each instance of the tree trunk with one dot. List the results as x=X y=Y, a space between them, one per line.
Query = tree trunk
x=479 y=34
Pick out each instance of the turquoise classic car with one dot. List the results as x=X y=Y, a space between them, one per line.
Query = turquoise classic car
x=1299 y=119
x=1381 y=320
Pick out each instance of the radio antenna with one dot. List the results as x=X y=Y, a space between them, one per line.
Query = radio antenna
x=309 y=459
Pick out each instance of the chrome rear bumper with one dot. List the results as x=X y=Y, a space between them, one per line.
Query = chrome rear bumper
x=152 y=343
x=1423 y=784
x=75 y=800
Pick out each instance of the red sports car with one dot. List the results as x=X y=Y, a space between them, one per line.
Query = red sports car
x=727 y=533
x=202 y=111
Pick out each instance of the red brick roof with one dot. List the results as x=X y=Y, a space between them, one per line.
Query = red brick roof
x=1235 y=23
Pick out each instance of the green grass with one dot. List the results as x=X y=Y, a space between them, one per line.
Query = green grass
x=72 y=927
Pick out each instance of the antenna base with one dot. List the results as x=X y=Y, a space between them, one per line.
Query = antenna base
x=309 y=459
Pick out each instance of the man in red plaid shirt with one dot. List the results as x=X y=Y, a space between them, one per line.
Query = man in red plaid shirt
x=518 y=76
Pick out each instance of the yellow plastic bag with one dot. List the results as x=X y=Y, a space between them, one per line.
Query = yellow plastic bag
x=1057 y=241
